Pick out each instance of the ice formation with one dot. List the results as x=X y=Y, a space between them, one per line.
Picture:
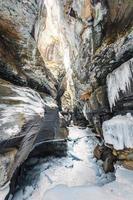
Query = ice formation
x=116 y=190
x=85 y=108
x=118 y=131
x=69 y=179
x=78 y=168
x=119 y=80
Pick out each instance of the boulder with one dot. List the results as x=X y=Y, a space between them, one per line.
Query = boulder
x=128 y=164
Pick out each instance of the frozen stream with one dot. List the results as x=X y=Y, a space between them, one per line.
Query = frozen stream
x=75 y=177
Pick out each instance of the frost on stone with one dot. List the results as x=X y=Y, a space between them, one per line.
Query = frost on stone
x=118 y=131
x=119 y=81
x=19 y=105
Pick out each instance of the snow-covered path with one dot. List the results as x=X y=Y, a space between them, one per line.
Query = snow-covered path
x=75 y=177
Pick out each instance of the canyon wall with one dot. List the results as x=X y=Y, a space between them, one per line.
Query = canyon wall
x=29 y=113
x=88 y=47
x=67 y=55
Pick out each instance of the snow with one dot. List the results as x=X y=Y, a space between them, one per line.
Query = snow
x=78 y=168
x=121 y=189
x=118 y=131
x=69 y=178
x=119 y=80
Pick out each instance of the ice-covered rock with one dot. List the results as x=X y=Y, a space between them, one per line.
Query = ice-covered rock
x=118 y=131
x=66 y=178
x=25 y=121
x=76 y=169
x=18 y=106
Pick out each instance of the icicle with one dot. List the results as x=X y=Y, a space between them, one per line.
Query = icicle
x=34 y=51
x=119 y=80
x=85 y=110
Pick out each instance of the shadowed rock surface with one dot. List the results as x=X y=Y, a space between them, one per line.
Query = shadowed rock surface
x=26 y=118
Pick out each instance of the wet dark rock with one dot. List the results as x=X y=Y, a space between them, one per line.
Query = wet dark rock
x=108 y=165
x=106 y=155
x=72 y=13
x=50 y=147
x=98 y=152
x=102 y=152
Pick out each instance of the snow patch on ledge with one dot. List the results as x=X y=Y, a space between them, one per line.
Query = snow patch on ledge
x=119 y=80
x=118 y=131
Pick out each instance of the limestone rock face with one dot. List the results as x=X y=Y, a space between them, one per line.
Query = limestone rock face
x=76 y=42
x=90 y=43
x=18 y=106
x=20 y=60
x=6 y=161
x=74 y=53
x=26 y=120
x=110 y=66
x=28 y=109
x=95 y=48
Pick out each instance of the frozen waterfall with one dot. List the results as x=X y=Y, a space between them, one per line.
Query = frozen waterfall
x=118 y=131
x=119 y=80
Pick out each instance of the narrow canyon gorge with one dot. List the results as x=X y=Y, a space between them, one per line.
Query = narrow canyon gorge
x=66 y=99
